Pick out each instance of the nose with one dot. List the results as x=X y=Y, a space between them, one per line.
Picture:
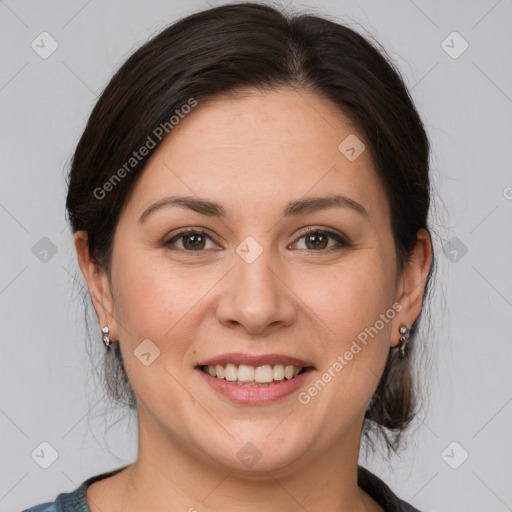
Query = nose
x=256 y=296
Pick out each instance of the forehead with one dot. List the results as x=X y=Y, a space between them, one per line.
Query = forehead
x=254 y=149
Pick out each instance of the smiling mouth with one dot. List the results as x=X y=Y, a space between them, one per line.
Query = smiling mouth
x=247 y=375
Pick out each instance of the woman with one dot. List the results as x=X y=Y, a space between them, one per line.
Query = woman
x=249 y=202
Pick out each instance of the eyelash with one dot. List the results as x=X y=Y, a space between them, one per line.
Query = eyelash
x=342 y=240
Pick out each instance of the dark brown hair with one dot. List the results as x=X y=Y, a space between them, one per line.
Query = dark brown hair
x=249 y=45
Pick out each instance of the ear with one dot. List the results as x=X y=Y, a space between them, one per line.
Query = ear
x=412 y=283
x=98 y=284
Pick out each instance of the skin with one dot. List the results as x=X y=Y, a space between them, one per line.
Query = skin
x=252 y=153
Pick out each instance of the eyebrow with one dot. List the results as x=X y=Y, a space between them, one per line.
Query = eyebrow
x=293 y=208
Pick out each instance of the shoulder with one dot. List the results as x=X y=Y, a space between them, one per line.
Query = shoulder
x=74 y=501
x=65 y=502
x=381 y=492
x=44 y=507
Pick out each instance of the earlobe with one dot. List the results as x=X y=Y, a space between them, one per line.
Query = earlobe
x=97 y=282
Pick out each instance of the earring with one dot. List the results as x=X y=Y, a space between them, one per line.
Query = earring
x=105 y=331
x=402 y=343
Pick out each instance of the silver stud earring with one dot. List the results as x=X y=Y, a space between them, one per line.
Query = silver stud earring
x=402 y=343
x=105 y=331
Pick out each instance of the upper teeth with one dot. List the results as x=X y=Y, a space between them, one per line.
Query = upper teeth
x=260 y=374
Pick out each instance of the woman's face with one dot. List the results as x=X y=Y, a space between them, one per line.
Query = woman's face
x=256 y=290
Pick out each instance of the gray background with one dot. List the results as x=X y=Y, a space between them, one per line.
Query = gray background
x=48 y=390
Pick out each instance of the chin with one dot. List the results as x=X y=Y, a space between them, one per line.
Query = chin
x=256 y=453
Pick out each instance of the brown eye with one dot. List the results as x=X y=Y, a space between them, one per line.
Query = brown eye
x=317 y=240
x=191 y=241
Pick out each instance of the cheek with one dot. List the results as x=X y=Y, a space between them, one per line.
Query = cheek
x=152 y=298
x=153 y=302
x=354 y=303
x=351 y=296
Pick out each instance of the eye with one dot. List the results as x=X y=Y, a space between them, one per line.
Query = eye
x=193 y=240
x=317 y=239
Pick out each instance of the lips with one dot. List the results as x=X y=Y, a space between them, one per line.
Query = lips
x=254 y=379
